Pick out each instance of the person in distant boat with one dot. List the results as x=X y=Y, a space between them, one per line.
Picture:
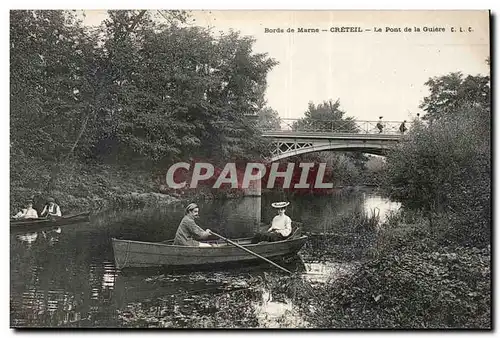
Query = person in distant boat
x=281 y=226
x=189 y=233
x=27 y=213
x=51 y=209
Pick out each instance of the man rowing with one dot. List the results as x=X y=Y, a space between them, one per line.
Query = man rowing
x=281 y=226
x=51 y=209
x=189 y=233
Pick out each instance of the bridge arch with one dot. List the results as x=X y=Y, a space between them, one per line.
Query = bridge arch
x=375 y=149
x=293 y=138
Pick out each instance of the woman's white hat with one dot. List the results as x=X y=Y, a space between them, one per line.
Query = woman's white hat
x=279 y=205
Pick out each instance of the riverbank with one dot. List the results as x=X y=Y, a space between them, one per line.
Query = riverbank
x=412 y=280
x=95 y=187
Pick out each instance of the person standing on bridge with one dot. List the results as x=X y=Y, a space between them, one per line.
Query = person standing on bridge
x=380 y=126
x=402 y=127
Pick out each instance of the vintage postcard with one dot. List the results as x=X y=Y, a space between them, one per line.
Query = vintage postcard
x=250 y=169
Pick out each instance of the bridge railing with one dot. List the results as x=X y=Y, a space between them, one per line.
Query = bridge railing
x=349 y=126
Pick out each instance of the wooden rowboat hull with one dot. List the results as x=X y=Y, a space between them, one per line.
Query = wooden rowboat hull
x=38 y=224
x=136 y=254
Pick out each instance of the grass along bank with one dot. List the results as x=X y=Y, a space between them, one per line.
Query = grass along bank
x=96 y=186
x=81 y=187
x=411 y=278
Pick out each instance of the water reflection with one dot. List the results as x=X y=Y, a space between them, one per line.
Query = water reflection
x=66 y=276
x=54 y=284
x=200 y=300
x=109 y=275
x=380 y=206
x=50 y=237
x=273 y=313
x=28 y=238
x=323 y=272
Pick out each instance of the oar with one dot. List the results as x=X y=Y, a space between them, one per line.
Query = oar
x=249 y=251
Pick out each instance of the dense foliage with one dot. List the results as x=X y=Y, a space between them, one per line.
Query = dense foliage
x=132 y=90
x=444 y=168
x=410 y=290
x=344 y=169
x=326 y=116
x=430 y=266
x=450 y=93
x=268 y=119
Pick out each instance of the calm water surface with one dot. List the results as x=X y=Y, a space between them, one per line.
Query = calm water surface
x=66 y=277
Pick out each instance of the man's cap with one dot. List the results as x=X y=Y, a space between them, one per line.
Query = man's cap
x=50 y=199
x=279 y=205
x=191 y=206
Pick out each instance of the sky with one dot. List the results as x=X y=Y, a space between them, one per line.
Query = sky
x=371 y=73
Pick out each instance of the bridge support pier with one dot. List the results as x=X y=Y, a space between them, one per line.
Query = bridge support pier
x=254 y=189
x=241 y=215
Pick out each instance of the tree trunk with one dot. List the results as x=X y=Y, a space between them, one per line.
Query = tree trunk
x=56 y=168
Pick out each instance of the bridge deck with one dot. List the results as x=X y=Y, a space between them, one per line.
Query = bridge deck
x=328 y=135
x=296 y=136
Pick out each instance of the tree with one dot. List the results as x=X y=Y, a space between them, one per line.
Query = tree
x=49 y=54
x=268 y=119
x=51 y=82
x=443 y=168
x=451 y=93
x=131 y=88
x=189 y=94
x=326 y=116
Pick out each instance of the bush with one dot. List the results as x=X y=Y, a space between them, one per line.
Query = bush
x=446 y=288
x=443 y=170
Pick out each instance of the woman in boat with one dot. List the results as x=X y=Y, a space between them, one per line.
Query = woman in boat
x=51 y=209
x=189 y=233
x=281 y=226
x=27 y=213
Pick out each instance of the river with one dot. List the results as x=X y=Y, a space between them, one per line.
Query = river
x=66 y=277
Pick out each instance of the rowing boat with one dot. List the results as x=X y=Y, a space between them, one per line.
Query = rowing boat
x=42 y=223
x=137 y=254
